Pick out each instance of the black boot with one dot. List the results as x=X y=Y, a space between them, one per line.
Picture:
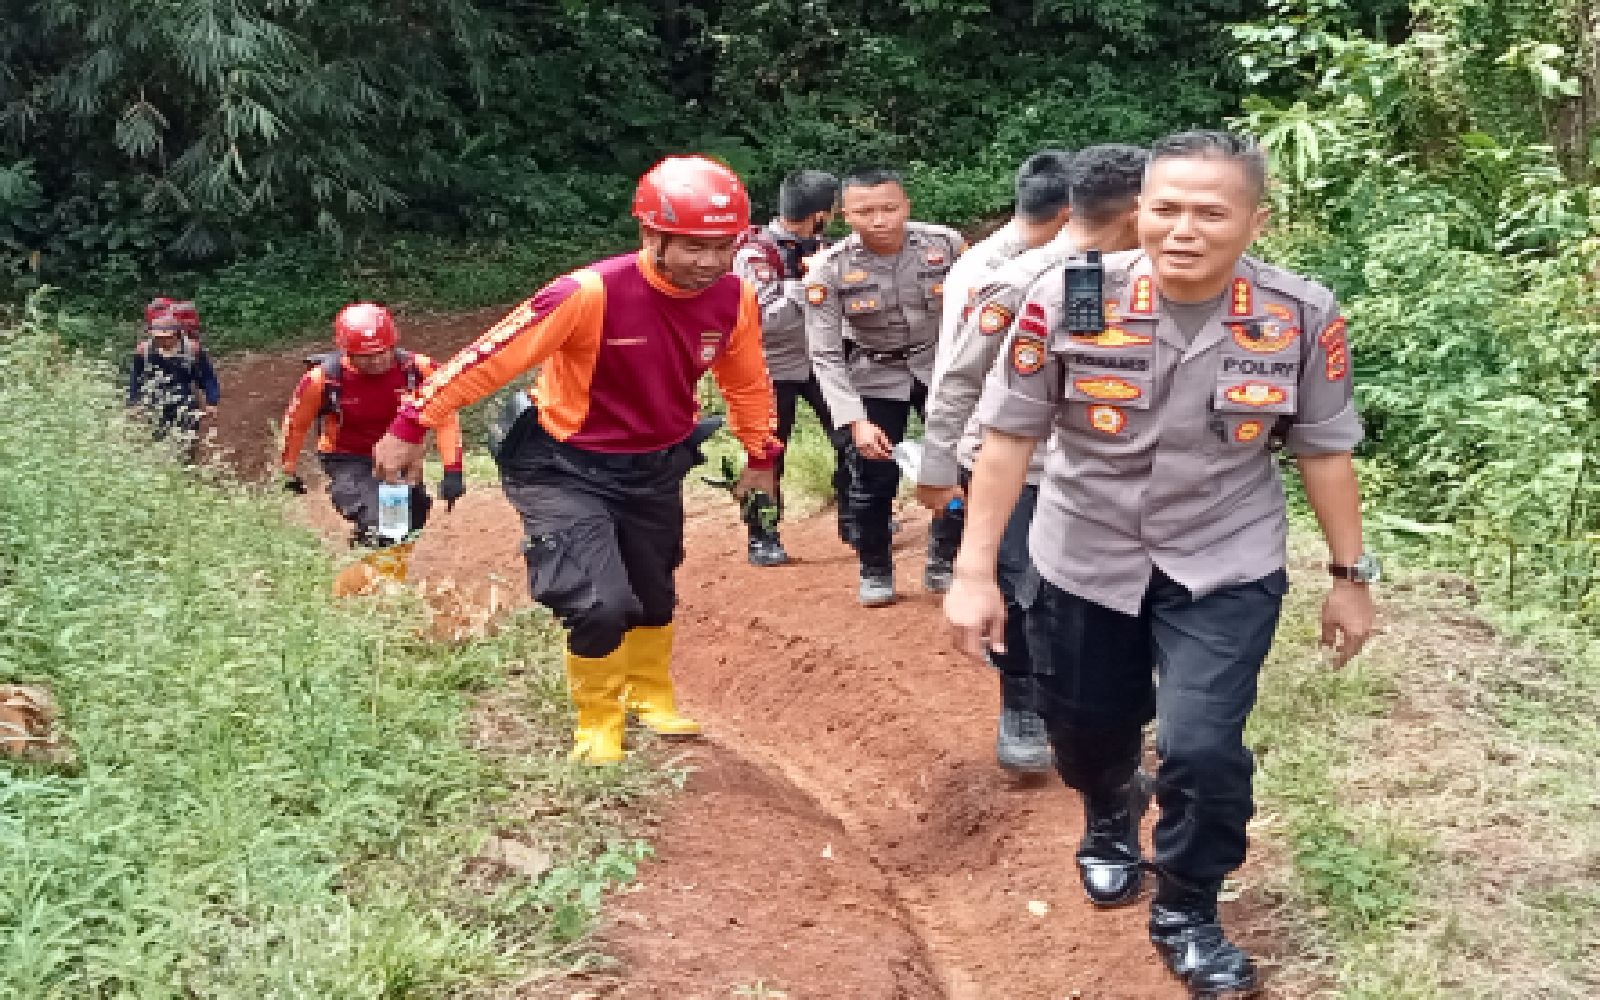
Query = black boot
x=1109 y=862
x=766 y=549
x=1022 y=745
x=1185 y=930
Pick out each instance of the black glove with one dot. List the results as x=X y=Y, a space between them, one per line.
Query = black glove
x=294 y=484
x=451 y=489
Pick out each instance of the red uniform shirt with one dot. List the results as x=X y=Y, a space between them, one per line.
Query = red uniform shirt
x=622 y=352
x=367 y=405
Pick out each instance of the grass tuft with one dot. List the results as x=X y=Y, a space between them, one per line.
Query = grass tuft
x=274 y=795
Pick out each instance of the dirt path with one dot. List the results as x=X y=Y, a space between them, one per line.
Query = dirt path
x=846 y=833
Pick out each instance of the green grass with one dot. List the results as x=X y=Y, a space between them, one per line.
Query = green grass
x=274 y=795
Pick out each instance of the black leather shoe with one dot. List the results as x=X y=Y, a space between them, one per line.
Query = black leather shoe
x=1109 y=862
x=1186 y=932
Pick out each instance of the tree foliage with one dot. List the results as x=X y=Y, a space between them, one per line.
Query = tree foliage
x=143 y=132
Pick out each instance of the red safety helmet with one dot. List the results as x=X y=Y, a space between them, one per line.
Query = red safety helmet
x=692 y=196
x=364 y=328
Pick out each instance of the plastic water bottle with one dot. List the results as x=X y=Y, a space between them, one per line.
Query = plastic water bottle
x=394 y=511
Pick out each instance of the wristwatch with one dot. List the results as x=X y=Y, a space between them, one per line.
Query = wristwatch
x=1363 y=570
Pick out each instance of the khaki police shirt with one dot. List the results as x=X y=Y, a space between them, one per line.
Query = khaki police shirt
x=992 y=296
x=882 y=303
x=1160 y=452
x=782 y=301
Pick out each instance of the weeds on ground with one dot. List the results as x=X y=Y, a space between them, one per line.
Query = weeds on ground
x=274 y=796
x=1439 y=848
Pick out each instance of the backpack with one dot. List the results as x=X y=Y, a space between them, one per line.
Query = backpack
x=761 y=239
x=188 y=350
x=333 y=376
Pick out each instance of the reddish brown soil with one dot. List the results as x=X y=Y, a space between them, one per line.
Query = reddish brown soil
x=832 y=730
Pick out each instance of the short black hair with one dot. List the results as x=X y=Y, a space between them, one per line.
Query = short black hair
x=1106 y=178
x=1215 y=144
x=804 y=193
x=1044 y=185
x=871 y=177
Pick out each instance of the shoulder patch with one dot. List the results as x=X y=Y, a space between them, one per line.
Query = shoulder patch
x=1028 y=355
x=994 y=318
x=816 y=294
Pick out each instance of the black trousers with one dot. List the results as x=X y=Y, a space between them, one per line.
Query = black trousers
x=789 y=395
x=1019 y=583
x=603 y=539
x=874 y=483
x=354 y=491
x=1190 y=664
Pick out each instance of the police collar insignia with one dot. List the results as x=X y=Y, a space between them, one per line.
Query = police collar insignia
x=1144 y=298
x=1240 y=298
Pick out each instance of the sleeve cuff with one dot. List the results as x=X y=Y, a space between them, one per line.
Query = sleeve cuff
x=1339 y=433
x=938 y=466
x=1013 y=413
x=408 y=428
x=768 y=459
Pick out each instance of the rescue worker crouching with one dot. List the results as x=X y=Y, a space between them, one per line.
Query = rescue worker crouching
x=171 y=374
x=595 y=466
x=773 y=258
x=352 y=394
x=881 y=287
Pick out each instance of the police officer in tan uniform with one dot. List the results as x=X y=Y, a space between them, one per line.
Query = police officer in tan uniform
x=1065 y=203
x=1161 y=530
x=772 y=258
x=881 y=287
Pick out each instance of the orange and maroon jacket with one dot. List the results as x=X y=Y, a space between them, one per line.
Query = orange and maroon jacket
x=622 y=352
x=367 y=405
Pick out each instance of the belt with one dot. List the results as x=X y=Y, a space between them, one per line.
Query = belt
x=895 y=354
x=641 y=461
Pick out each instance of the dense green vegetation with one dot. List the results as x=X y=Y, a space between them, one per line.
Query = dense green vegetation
x=273 y=796
x=1442 y=178
x=138 y=141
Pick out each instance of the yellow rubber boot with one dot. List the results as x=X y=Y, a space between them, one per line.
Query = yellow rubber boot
x=392 y=562
x=650 y=697
x=597 y=685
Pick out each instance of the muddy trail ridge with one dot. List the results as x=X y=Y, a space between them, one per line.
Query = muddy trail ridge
x=846 y=832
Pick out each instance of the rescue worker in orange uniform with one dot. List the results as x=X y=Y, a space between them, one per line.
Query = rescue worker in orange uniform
x=595 y=463
x=354 y=393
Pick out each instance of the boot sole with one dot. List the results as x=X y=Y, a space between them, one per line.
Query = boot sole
x=1230 y=993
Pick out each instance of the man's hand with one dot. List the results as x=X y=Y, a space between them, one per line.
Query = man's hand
x=294 y=484
x=396 y=461
x=977 y=611
x=937 y=498
x=1347 y=618
x=765 y=480
x=452 y=488
x=871 y=441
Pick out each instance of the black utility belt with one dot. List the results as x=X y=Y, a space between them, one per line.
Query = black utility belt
x=640 y=461
x=896 y=354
